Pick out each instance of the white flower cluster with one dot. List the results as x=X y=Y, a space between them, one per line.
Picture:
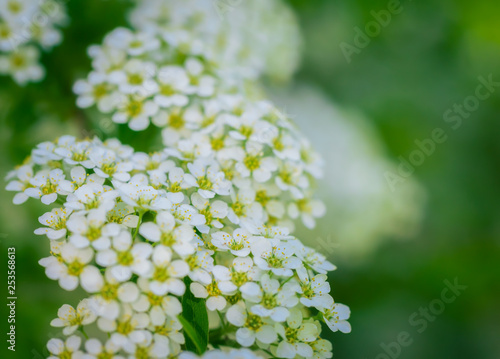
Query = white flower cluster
x=253 y=38
x=26 y=26
x=141 y=79
x=138 y=231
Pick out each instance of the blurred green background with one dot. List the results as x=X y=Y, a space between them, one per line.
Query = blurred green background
x=426 y=59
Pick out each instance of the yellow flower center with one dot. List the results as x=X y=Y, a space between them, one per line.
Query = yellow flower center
x=135 y=79
x=254 y=322
x=239 y=278
x=93 y=233
x=134 y=108
x=75 y=268
x=167 y=90
x=217 y=143
x=161 y=274
x=262 y=197
x=14 y=7
x=238 y=208
x=154 y=300
x=176 y=121
x=125 y=258
x=124 y=327
x=213 y=289
x=269 y=301
x=109 y=291
x=100 y=90
x=252 y=162
x=204 y=183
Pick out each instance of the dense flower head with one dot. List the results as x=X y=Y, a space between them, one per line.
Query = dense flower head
x=138 y=231
x=252 y=38
x=26 y=28
x=176 y=88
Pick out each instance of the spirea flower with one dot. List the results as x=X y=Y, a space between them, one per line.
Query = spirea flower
x=201 y=229
x=138 y=242
x=28 y=27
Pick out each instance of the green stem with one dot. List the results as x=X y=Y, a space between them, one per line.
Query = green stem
x=83 y=332
x=141 y=214
x=224 y=327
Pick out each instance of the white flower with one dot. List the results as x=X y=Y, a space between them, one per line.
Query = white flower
x=297 y=336
x=244 y=205
x=23 y=176
x=200 y=84
x=322 y=349
x=136 y=77
x=336 y=317
x=79 y=177
x=74 y=153
x=315 y=291
x=273 y=300
x=201 y=264
x=245 y=275
x=238 y=243
x=158 y=306
x=91 y=229
x=213 y=211
x=252 y=162
x=175 y=184
x=73 y=268
x=145 y=344
x=110 y=295
x=108 y=165
x=251 y=327
x=134 y=43
x=212 y=291
x=125 y=258
x=46 y=186
x=174 y=123
x=156 y=161
x=72 y=319
x=63 y=350
x=173 y=86
x=123 y=214
x=91 y=196
x=55 y=220
x=22 y=65
x=208 y=178
x=165 y=277
x=96 y=90
x=308 y=210
x=95 y=350
x=136 y=194
x=169 y=234
x=275 y=255
x=135 y=110
x=290 y=177
x=124 y=328
x=219 y=354
x=312 y=258
x=187 y=214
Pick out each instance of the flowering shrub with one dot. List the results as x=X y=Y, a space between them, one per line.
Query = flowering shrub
x=26 y=26
x=187 y=251
x=253 y=38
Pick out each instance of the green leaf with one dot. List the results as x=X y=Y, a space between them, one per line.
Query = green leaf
x=194 y=319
